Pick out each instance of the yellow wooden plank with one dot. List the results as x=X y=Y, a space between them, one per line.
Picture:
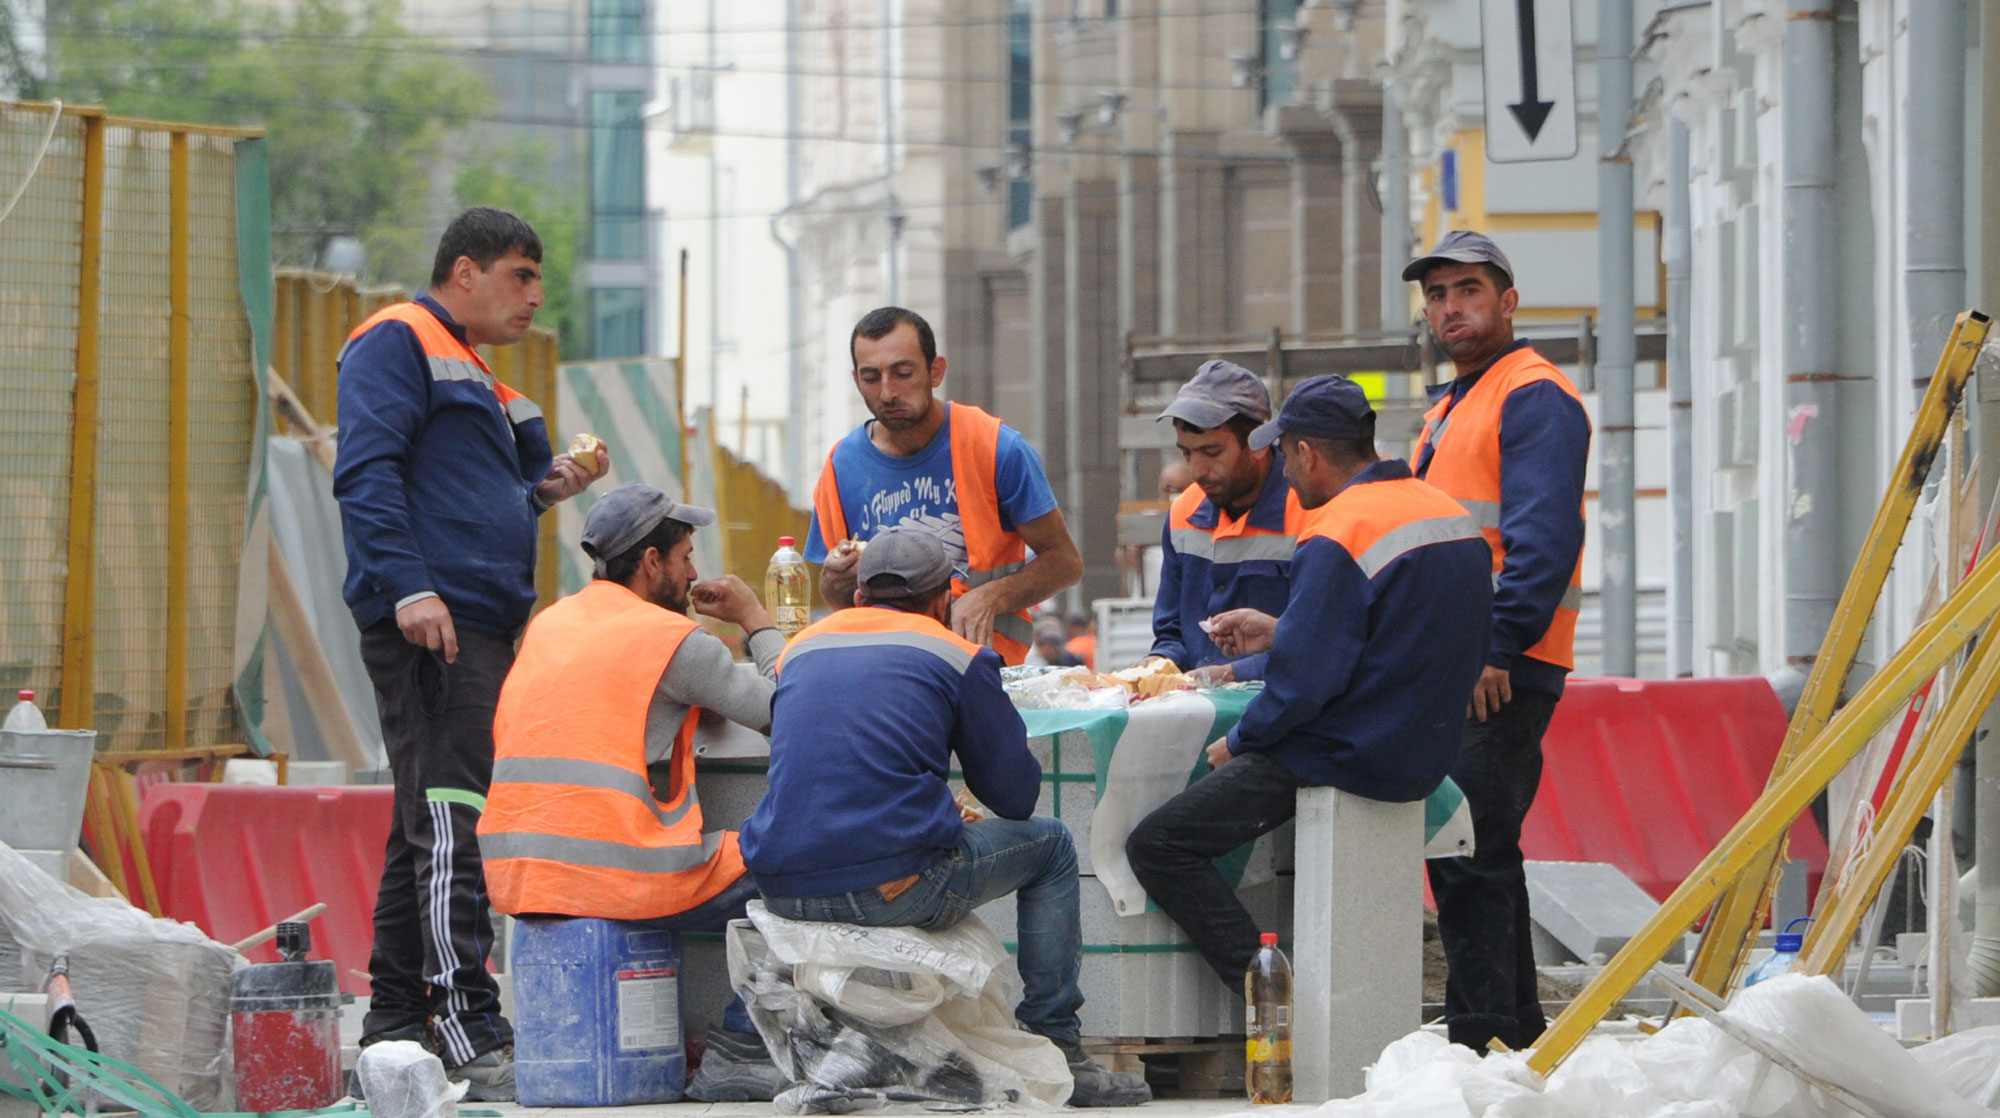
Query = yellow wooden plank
x=179 y=421
x=79 y=653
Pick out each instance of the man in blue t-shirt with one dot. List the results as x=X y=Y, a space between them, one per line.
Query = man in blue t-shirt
x=950 y=469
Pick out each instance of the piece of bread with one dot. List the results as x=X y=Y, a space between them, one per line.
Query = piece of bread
x=583 y=451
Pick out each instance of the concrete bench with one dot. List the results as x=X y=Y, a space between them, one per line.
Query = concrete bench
x=1358 y=942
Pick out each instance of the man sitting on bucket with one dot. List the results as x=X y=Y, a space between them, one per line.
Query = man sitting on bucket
x=593 y=810
x=860 y=827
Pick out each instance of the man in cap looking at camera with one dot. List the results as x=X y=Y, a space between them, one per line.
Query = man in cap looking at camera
x=1507 y=437
x=860 y=825
x=593 y=810
x=1229 y=536
x=1370 y=665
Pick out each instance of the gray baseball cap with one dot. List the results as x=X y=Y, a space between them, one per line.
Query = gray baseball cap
x=627 y=514
x=1459 y=246
x=1220 y=391
x=903 y=563
x=1328 y=406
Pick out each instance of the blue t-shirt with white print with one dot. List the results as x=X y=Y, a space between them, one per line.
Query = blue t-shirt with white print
x=880 y=490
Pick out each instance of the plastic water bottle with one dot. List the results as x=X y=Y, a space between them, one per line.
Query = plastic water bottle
x=1267 y=1024
x=786 y=589
x=25 y=715
x=1787 y=946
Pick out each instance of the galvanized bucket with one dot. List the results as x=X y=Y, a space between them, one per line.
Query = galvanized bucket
x=44 y=775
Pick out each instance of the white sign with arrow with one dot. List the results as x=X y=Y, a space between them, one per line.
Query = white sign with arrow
x=1530 y=63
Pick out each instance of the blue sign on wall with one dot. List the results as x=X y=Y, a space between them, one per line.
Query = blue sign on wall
x=1448 y=178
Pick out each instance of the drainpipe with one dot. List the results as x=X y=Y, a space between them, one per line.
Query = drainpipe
x=891 y=216
x=1395 y=216
x=1618 y=592
x=796 y=461
x=1811 y=305
x=1680 y=396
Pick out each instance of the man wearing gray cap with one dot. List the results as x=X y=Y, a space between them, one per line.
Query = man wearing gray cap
x=1507 y=437
x=593 y=810
x=1229 y=536
x=860 y=826
x=1370 y=665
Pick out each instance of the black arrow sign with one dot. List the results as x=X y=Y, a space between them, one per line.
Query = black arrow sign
x=1531 y=111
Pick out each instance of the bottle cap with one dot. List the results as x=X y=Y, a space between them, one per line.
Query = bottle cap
x=1268 y=939
x=1789 y=940
x=786 y=541
x=27 y=696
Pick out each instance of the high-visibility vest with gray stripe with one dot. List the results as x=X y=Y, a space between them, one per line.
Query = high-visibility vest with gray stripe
x=447 y=358
x=1466 y=465
x=572 y=824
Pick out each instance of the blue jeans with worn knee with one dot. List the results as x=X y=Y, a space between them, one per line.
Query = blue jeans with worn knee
x=1035 y=859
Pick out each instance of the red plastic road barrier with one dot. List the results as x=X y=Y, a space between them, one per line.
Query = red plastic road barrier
x=235 y=859
x=1648 y=775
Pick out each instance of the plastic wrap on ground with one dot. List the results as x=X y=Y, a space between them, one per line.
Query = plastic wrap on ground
x=869 y=1018
x=155 y=991
x=402 y=1080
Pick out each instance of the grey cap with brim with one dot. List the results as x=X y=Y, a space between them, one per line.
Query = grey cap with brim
x=627 y=515
x=1459 y=246
x=1219 y=392
x=903 y=563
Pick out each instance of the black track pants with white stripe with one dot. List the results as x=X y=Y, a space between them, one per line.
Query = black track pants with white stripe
x=432 y=933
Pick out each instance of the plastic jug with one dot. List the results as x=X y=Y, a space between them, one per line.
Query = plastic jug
x=1785 y=952
x=788 y=589
x=25 y=715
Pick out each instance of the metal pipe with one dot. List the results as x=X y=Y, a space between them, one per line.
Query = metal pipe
x=1395 y=216
x=1934 y=231
x=1680 y=397
x=1618 y=592
x=1808 y=353
x=1984 y=962
x=797 y=461
x=891 y=217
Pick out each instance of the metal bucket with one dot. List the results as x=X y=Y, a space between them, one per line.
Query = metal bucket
x=44 y=775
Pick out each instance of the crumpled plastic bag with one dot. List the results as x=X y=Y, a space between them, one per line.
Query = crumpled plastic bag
x=155 y=992
x=1967 y=1064
x=868 y=1018
x=400 y=1079
x=1047 y=688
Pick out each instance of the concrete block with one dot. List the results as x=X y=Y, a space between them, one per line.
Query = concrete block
x=1591 y=908
x=1549 y=951
x=1913 y=949
x=1913 y=1016
x=1357 y=959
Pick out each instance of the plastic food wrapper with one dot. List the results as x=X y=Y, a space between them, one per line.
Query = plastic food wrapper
x=402 y=1080
x=870 y=1018
x=156 y=992
x=1039 y=688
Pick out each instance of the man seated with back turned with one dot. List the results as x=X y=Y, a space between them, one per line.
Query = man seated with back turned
x=593 y=810
x=860 y=827
x=1371 y=665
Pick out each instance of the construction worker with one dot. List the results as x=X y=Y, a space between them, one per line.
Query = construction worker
x=1229 y=536
x=593 y=810
x=1370 y=665
x=1507 y=437
x=874 y=706
x=441 y=473
x=950 y=469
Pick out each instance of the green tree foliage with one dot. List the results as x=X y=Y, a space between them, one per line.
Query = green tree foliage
x=526 y=177
x=358 y=112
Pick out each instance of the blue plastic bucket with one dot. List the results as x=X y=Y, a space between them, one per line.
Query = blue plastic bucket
x=597 y=1013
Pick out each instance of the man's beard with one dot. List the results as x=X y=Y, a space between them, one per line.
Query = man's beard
x=669 y=597
x=905 y=422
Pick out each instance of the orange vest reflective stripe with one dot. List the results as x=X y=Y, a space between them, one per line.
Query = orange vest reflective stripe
x=449 y=358
x=1378 y=522
x=1466 y=465
x=1232 y=541
x=572 y=826
x=990 y=551
x=880 y=626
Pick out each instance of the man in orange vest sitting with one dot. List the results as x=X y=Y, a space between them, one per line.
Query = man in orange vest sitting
x=953 y=471
x=1370 y=665
x=874 y=706
x=593 y=810
x=1507 y=438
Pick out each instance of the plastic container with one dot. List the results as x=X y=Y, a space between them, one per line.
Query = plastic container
x=597 y=1013
x=285 y=1021
x=1267 y=1024
x=1785 y=952
x=788 y=589
x=25 y=715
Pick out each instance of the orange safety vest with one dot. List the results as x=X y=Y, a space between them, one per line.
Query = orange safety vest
x=571 y=825
x=449 y=358
x=1232 y=541
x=1382 y=521
x=990 y=553
x=1466 y=465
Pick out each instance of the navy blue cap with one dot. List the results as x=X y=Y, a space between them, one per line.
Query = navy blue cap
x=1459 y=246
x=1322 y=407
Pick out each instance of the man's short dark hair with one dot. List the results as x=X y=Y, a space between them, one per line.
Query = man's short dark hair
x=882 y=321
x=486 y=234
x=1345 y=454
x=1240 y=425
x=664 y=536
x=916 y=603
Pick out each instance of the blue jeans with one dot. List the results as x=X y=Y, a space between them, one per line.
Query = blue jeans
x=1035 y=859
x=714 y=915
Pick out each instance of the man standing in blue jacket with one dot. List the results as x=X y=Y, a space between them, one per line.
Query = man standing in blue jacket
x=859 y=825
x=1229 y=537
x=1370 y=666
x=440 y=475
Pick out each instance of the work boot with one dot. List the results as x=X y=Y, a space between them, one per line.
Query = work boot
x=735 y=1068
x=419 y=1032
x=1097 y=1086
x=489 y=1074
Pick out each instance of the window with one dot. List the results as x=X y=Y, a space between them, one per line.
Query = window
x=617 y=175
x=1020 y=109
x=1280 y=74
x=618 y=30
x=618 y=322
